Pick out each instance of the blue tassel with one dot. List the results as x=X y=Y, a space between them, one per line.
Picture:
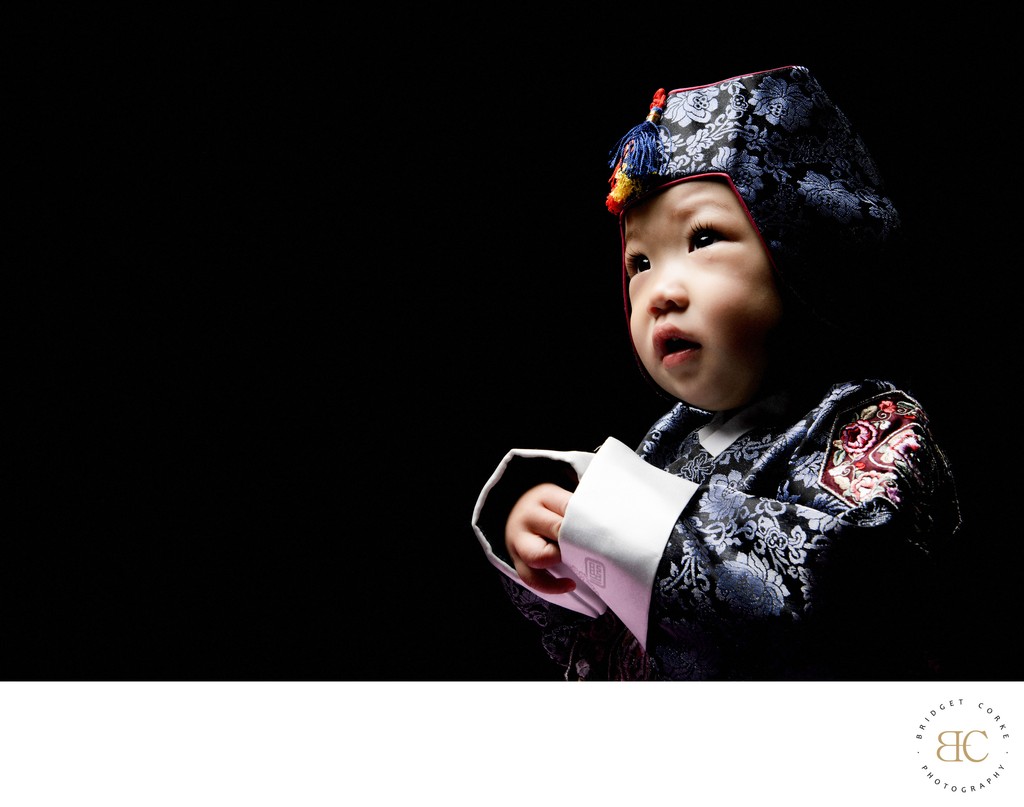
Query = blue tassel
x=639 y=152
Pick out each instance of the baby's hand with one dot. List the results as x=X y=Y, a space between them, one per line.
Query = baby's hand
x=531 y=537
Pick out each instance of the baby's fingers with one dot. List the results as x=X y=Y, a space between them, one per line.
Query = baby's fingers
x=532 y=558
x=531 y=536
x=538 y=553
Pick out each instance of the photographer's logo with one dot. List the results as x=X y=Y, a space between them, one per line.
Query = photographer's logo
x=959 y=745
x=963 y=746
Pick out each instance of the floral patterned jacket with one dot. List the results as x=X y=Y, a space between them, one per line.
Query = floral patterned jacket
x=774 y=546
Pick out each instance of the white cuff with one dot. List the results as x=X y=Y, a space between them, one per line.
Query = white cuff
x=582 y=600
x=616 y=527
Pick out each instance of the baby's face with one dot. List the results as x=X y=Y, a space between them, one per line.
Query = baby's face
x=702 y=294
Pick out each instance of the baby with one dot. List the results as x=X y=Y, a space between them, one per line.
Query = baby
x=781 y=520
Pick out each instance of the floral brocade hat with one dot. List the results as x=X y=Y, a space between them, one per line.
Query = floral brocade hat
x=793 y=159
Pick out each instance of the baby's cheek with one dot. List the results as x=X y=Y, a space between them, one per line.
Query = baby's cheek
x=636 y=328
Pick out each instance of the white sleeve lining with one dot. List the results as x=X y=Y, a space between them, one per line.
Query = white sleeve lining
x=616 y=527
x=582 y=600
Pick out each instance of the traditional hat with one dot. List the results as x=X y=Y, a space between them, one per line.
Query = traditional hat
x=792 y=157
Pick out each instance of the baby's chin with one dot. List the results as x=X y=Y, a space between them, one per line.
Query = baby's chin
x=710 y=400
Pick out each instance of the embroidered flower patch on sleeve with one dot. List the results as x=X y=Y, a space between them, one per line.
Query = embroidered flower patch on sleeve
x=872 y=448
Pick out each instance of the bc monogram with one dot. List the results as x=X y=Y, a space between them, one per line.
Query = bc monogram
x=961 y=743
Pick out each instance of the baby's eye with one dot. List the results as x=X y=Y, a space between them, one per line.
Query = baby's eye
x=704 y=238
x=635 y=264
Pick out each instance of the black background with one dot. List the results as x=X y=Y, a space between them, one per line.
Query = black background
x=300 y=283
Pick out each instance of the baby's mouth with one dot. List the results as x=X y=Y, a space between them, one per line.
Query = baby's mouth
x=669 y=342
x=676 y=345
